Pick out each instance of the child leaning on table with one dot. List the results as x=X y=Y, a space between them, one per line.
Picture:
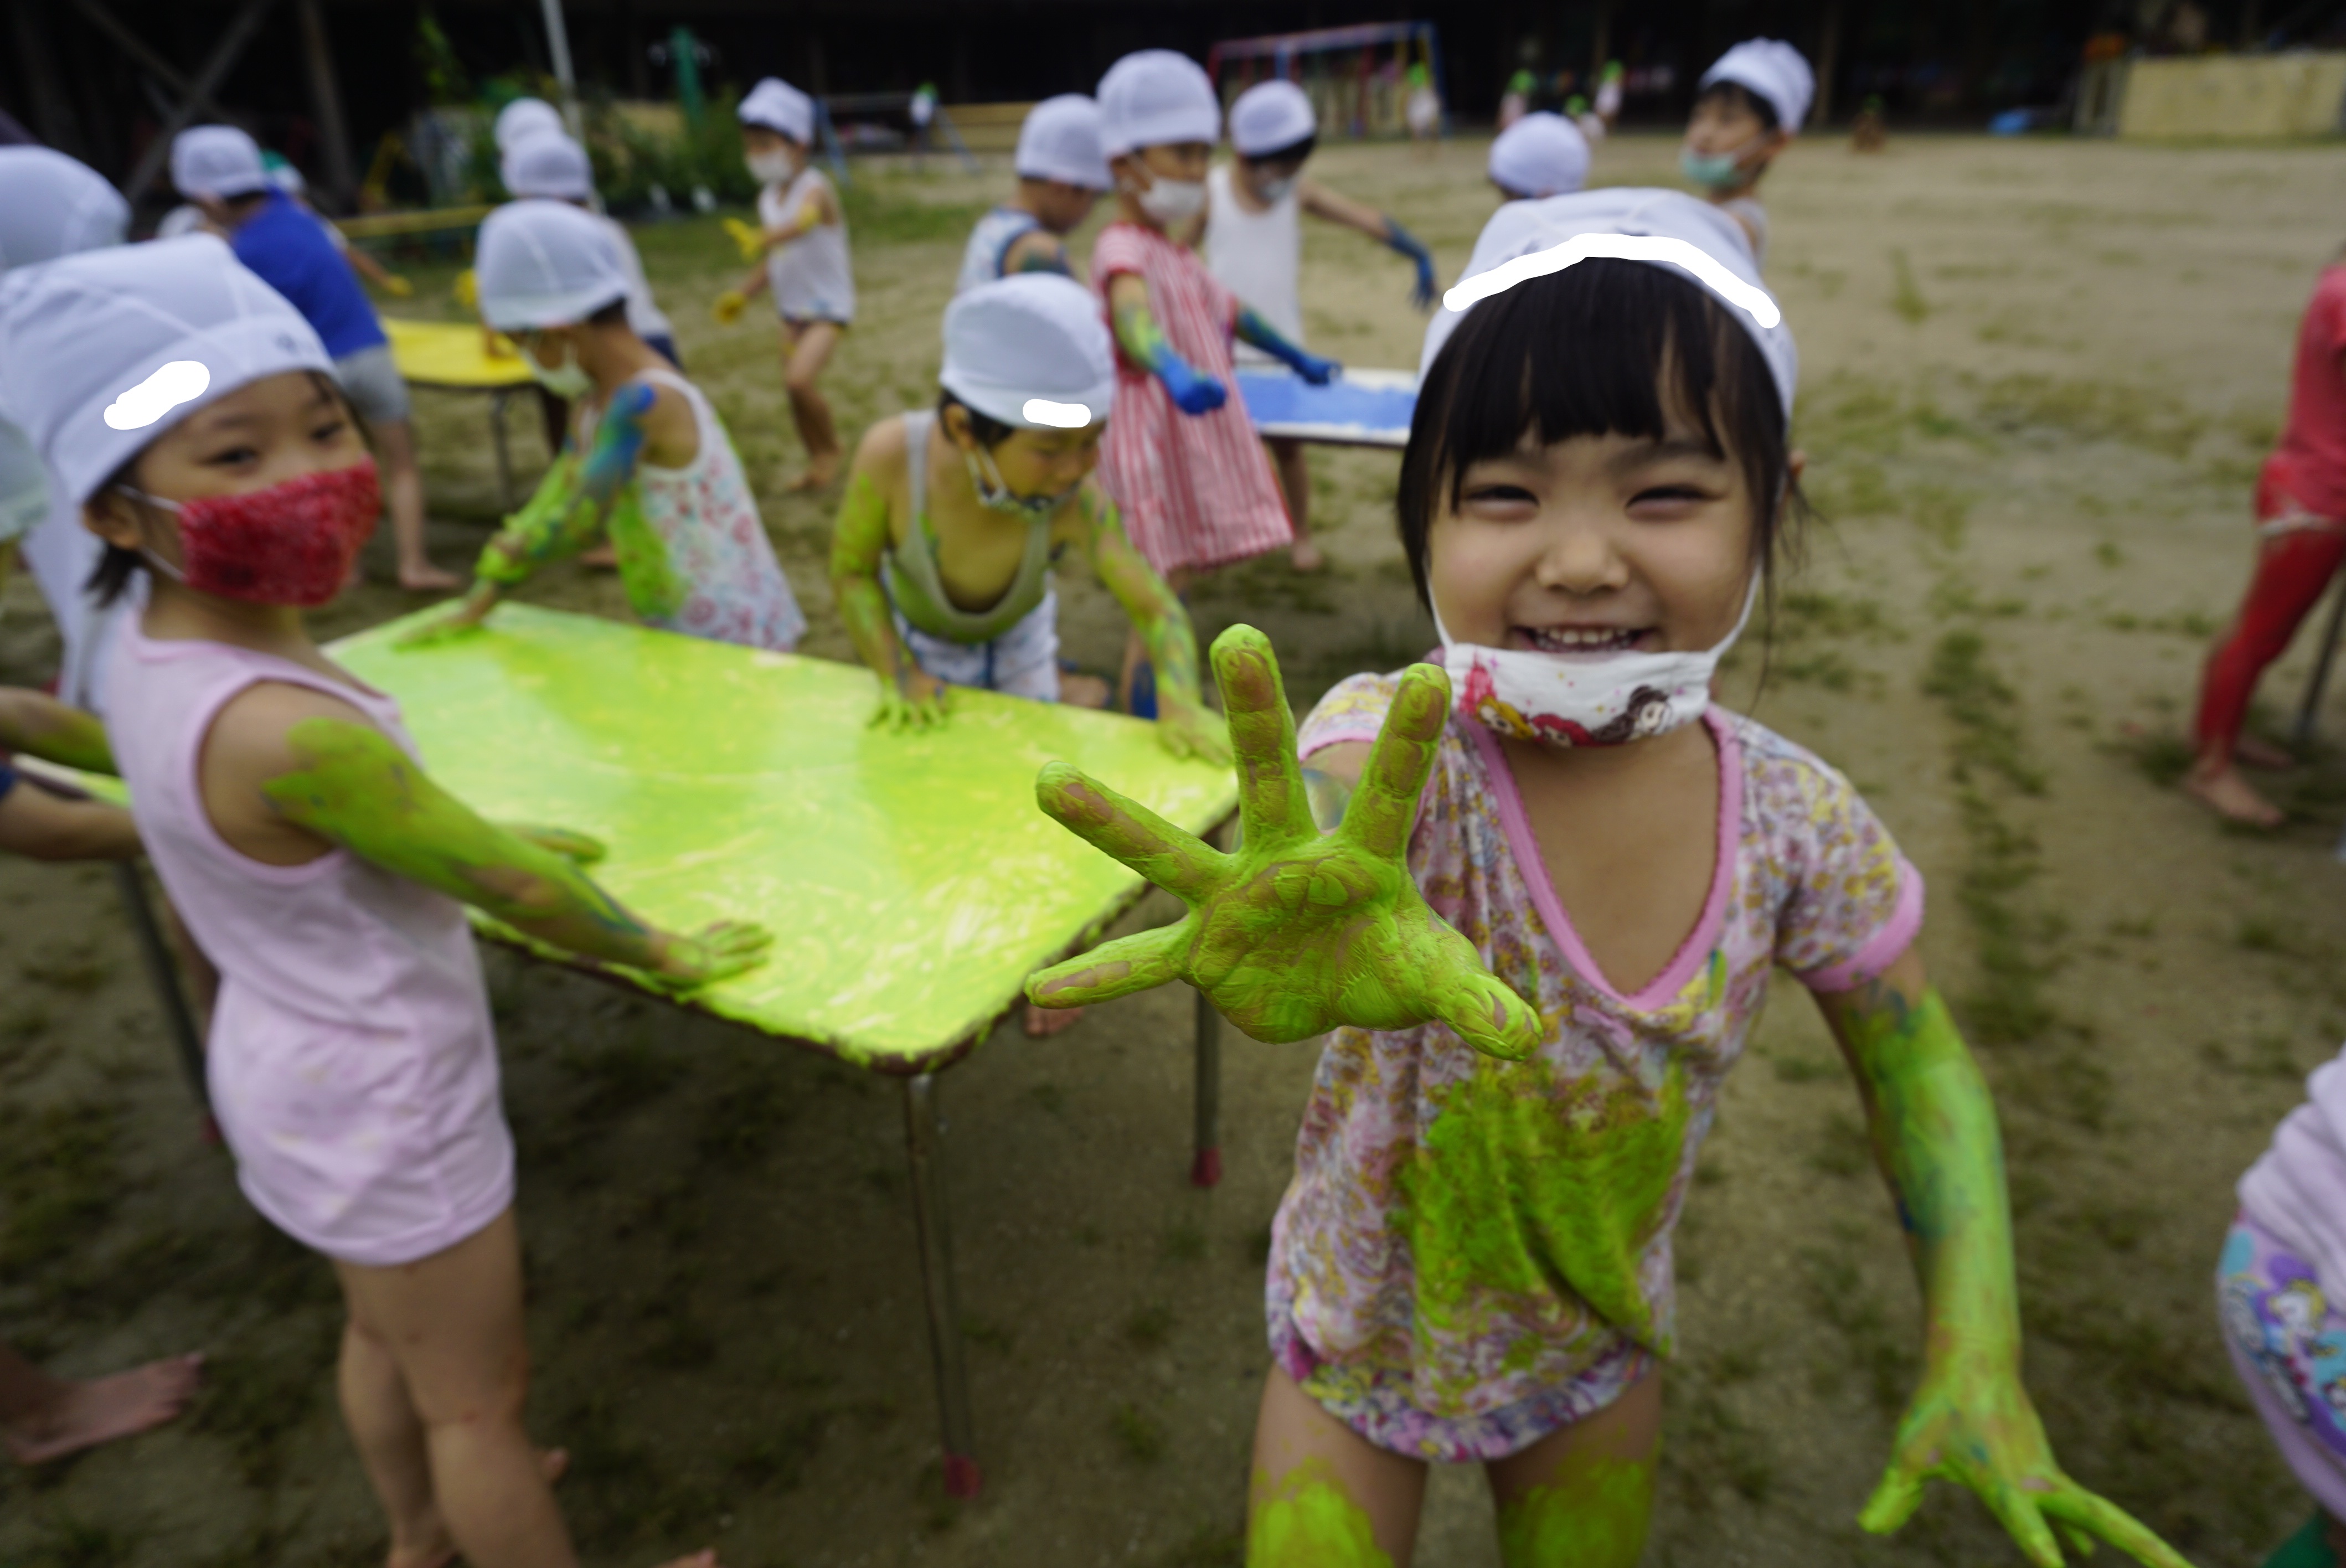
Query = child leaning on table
x=1473 y=1262
x=647 y=458
x=192 y=416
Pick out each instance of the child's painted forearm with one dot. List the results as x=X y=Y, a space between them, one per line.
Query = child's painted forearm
x=1156 y=610
x=353 y=786
x=38 y=724
x=561 y=522
x=1137 y=333
x=859 y=540
x=1253 y=328
x=1935 y=1135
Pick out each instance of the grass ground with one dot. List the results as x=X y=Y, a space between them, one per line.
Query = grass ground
x=2037 y=378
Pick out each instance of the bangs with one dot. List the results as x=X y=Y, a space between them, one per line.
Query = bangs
x=1605 y=347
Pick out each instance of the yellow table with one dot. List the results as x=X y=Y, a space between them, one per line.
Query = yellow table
x=909 y=880
x=450 y=356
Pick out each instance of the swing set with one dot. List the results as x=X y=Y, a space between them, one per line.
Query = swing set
x=1359 y=77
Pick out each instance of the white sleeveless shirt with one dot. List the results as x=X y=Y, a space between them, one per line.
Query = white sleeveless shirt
x=1258 y=256
x=811 y=278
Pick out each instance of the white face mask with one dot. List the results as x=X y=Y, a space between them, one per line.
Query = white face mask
x=1577 y=699
x=565 y=381
x=771 y=168
x=1271 y=192
x=1172 y=201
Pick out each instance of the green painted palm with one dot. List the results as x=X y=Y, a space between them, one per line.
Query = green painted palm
x=1297 y=931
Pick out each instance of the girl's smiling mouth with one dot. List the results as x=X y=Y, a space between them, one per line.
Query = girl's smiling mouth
x=1581 y=639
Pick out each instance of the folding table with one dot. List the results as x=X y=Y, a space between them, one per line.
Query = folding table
x=450 y=356
x=1360 y=407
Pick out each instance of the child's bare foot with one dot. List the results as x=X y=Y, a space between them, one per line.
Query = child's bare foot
x=602 y=557
x=818 y=476
x=2231 y=797
x=424 y=577
x=1041 y=1021
x=86 y=1414
x=2263 y=754
x=1304 y=556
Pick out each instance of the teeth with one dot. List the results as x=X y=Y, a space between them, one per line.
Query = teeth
x=1581 y=639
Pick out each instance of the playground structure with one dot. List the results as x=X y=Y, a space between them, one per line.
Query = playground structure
x=1357 y=77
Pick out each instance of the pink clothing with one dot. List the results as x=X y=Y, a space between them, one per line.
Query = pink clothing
x=1467 y=1233
x=1196 y=490
x=2310 y=463
x=2297 y=1189
x=352 y=1063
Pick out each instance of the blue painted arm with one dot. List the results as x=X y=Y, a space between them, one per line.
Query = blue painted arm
x=1253 y=328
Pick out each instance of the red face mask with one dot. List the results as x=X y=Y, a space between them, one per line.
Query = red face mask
x=291 y=543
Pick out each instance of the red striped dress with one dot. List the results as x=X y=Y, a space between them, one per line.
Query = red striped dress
x=1196 y=490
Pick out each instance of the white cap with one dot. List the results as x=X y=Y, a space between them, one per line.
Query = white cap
x=1540 y=154
x=777 y=106
x=1031 y=350
x=544 y=264
x=1270 y=116
x=1156 y=97
x=103 y=351
x=524 y=119
x=1647 y=225
x=547 y=164
x=1060 y=141
x=52 y=206
x=217 y=161
x=1772 y=70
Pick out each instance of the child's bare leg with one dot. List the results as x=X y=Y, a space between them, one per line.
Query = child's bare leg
x=44 y=1418
x=1287 y=455
x=442 y=1337
x=1321 y=1495
x=809 y=350
x=1584 y=1496
x=403 y=490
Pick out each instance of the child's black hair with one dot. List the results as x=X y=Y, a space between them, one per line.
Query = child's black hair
x=110 y=578
x=990 y=431
x=1294 y=152
x=1605 y=346
x=1738 y=96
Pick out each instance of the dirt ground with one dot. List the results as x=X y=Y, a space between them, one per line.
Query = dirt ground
x=2037 y=379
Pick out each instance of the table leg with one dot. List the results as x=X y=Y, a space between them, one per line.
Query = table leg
x=1206 y=1166
x=2311 y=709
x=922 y=1144
x=497 y=401
x=164 y=974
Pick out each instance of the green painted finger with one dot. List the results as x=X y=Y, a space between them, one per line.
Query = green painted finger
x=2077 y=1542
x=1489 y=1016
x=2082 y=1509
x=1137 y=962
x=1176 y=861
x=1893 y=1501
x=2016 y=1512
x=1384 y=806
x=1272 y=801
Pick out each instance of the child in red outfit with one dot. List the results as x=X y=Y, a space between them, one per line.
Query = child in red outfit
x=2301 y=529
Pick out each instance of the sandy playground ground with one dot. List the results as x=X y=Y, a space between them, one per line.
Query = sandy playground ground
x=2037 y=378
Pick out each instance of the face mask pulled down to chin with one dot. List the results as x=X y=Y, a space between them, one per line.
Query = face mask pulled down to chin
x=1583 y=700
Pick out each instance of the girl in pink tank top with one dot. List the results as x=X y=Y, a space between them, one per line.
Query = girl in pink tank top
x=351 y=1061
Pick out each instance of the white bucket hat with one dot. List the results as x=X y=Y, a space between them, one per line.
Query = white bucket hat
x=1772 y=70
x=1156 y=97
x=1061 y=140
x=1030 y=350
x=550 y=165
x=1270 y=116
x=102 y=352
x=777 y=106
x=52 y=206
x=544 y=264
x=524 y=119
x=1661 y=228
x=217 y=161
x=1540 y=154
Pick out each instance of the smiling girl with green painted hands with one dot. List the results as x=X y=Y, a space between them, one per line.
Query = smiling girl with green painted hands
x=1541 y=923
x=353 y=1065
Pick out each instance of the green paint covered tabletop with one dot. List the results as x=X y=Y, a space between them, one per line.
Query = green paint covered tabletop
x=909 y=880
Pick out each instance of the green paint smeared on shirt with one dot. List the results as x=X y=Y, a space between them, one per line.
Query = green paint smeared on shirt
x=1309 y=1521
x=1524 y=1190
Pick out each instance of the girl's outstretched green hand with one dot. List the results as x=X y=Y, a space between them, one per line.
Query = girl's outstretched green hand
x=1972 y=1422
x=714 y=952
x=1297 y=931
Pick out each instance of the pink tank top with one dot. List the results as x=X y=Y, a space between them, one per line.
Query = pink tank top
x=351 y=1062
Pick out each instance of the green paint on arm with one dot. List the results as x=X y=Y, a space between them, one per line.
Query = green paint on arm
x=1141 y=337
x=1595 y=1515
x=859 y=542
x=560 y=519
x=38 y=724
x=1184 y=723
x=354 y=787
x=1307 y=1519
x=1526 y=1187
